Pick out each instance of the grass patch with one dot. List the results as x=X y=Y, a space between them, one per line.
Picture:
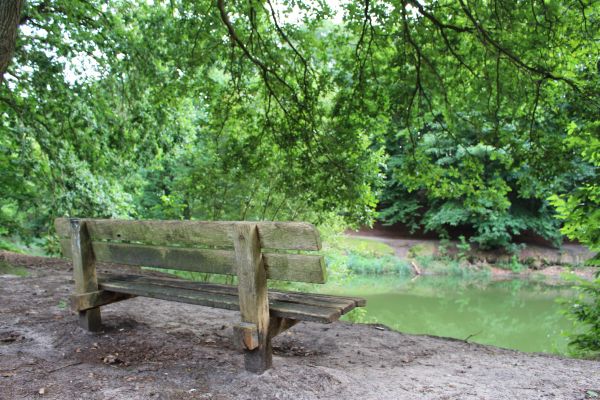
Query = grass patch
x=359 y=316
x=359 y=264
x=451 y=267
x=363 y=246
x=8 y=269
x=9 y=246
x=346 y=256
x=35 y=247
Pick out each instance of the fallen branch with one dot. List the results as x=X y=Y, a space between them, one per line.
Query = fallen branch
x=416 y=268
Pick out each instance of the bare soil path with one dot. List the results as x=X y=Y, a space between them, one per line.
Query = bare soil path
x=153 y=349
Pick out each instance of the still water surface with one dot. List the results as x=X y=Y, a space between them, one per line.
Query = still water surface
x=517 y=314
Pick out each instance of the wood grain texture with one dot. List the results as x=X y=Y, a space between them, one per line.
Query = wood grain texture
x=282 y=309
x=253 y=295
x=84 y=272
x=245 y=336
x=340 y=303
x=289 y=267
x=10 y=14
x=272 y=235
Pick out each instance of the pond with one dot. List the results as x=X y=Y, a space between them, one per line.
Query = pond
x=516 y=314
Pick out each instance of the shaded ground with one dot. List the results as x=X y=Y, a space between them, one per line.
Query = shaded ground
x=153 y=349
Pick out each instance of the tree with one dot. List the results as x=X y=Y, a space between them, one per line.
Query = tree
x=106 y=113
x=476 y=96
x=235 y=110
x=10 y=13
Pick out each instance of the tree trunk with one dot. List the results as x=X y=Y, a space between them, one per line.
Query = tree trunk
x=10 y=12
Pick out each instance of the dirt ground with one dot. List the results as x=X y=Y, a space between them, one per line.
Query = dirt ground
x=152 y=349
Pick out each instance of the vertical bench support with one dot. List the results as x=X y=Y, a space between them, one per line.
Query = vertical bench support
x=253 y=295
x=84 y=273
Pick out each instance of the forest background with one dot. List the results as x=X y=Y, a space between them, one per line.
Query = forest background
x=476 y=116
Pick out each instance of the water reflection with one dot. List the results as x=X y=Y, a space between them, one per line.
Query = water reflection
x=515 y=314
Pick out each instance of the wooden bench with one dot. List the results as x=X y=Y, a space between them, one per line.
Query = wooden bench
x=253 y=251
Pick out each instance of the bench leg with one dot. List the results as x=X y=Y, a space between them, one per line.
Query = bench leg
x=260 y=359
x=90 y=319
x=84 y=272
x=278 y=325
x=253 y=296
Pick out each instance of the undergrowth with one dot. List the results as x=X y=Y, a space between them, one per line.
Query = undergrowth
x=8 y=269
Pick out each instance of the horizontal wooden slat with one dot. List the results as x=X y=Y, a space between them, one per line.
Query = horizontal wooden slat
x=80 y=302
x=343 y=303
x=281 y=309
x=273 y=235
x=290 y=267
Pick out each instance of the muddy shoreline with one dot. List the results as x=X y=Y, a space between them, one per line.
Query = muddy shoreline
x=537 y=261
x=152 y=349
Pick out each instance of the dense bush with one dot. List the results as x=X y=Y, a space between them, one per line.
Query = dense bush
x=478 y=187
x=580 y=210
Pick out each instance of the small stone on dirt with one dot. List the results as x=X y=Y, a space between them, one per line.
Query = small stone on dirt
x=111 y=359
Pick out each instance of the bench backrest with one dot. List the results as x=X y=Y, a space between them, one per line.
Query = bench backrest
x=201 y=246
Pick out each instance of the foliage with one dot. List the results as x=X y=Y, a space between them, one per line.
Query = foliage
x=580 y=209
x=364 y=246
x=263 y=110
x=585 y=311
x=386 y=265
x=513 y=265
x=6 y=245
x=463 y=248
x=106 y=113
x=452 y=267
x=359 y=315
x=479 y=98
x=348 y=255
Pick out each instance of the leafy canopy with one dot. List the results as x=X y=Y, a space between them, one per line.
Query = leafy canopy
x=282 y=110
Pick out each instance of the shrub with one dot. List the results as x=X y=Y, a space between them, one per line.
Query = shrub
x=580 y=209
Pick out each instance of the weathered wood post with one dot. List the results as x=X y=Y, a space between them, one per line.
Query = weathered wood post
x=84 y=272
x=253 y=297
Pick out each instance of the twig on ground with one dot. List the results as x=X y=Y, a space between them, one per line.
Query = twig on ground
x=466 y=340
x=63 y=367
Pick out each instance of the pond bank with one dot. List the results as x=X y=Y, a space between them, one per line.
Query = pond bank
x=532 y=261
x=167 y=350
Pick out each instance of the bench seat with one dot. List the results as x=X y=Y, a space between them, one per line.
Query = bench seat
x=292 y=305
x=252 y=251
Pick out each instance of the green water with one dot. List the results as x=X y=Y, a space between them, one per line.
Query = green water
x=516 y=314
